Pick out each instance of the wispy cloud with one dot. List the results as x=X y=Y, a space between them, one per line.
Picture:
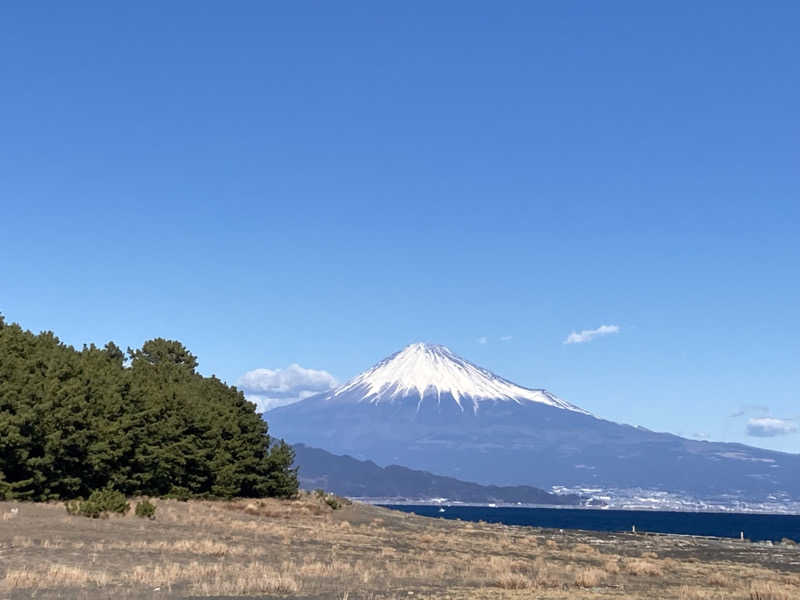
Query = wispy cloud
x=770 y=427
x=506 y=338
x=587 y=335
x=483 y=340
x=269 y=388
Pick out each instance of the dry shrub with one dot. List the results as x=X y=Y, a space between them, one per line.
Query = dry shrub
x=695 y=593
x=649 y=554
x=790 y=579
x=590 y=577
x=670 y=564
x=53 y=576
x=611 y=566
x=551 y=543
x=160 y=574
x=769 y=590
x=717 y=579
x=272 y=508
x=513 y=581
x=206 y=546
x=216 y=578
x=584 y=549
x=499 y=563
x=548 y=579
x=250 y=583
x=638 y=566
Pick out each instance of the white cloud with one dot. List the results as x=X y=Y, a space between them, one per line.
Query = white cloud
x=587 y=335
x=506 y=338
x=770 y=427
x=483 y=340
x=269 y=388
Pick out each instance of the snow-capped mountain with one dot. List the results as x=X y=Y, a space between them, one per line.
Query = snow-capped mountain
x=426 y=408
x=429 y=372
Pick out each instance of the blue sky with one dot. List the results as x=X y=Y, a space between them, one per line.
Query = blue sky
x=322 y=184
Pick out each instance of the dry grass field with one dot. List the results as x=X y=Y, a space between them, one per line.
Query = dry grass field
x=302 y=548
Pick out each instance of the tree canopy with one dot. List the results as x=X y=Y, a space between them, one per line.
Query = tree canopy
x=145 y=423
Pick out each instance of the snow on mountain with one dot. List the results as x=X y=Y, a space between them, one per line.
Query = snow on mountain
x=425 y=408
x=431 y=370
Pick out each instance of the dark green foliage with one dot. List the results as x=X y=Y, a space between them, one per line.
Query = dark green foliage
x=99 y=504
x=76 y=421
x=146 y=509
x=331 y=499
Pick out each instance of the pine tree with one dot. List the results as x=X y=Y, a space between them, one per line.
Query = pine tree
x=72 y=422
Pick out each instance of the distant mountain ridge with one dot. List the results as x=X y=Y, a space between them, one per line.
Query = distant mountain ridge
x=347 y=476
x=428 y=409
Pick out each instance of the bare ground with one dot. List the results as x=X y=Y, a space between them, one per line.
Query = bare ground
x=301 y=548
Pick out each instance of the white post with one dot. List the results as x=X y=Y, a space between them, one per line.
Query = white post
x=741 y=535
x=633 y=529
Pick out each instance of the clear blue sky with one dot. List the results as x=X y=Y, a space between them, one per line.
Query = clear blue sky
x=323 y=183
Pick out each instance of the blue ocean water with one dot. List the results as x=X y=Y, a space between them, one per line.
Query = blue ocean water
x=756 y=527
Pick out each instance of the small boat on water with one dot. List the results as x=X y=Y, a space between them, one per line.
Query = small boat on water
x=441 y=510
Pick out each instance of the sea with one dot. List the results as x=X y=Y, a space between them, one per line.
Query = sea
x=755 y=527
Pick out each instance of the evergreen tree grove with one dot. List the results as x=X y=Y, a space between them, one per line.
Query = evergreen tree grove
x=76 y=421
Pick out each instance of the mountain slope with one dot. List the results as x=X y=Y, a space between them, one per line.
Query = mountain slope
x=427 y=409
x=347 y=476
x=428 y=371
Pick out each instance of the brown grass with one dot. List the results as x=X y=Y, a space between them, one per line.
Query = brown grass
x=637 y=566
x=718 y=579
x=53 y=576
x=269 y=547
x=770 y=590
x=590 y=577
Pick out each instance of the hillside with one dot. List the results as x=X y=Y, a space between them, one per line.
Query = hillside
x=303 y=549
x=348 y=476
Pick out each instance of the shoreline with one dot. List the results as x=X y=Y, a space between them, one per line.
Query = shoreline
x=647 y=509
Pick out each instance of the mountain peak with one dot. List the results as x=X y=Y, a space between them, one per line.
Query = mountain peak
x=425 y=370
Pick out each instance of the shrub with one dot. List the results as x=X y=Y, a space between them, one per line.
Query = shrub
x=638 y=566
x=590 y=577
x=146 y=509
x=99 y=504
x=514 y=581
x=332 y=500
x=177 y=492
x=74 y=506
